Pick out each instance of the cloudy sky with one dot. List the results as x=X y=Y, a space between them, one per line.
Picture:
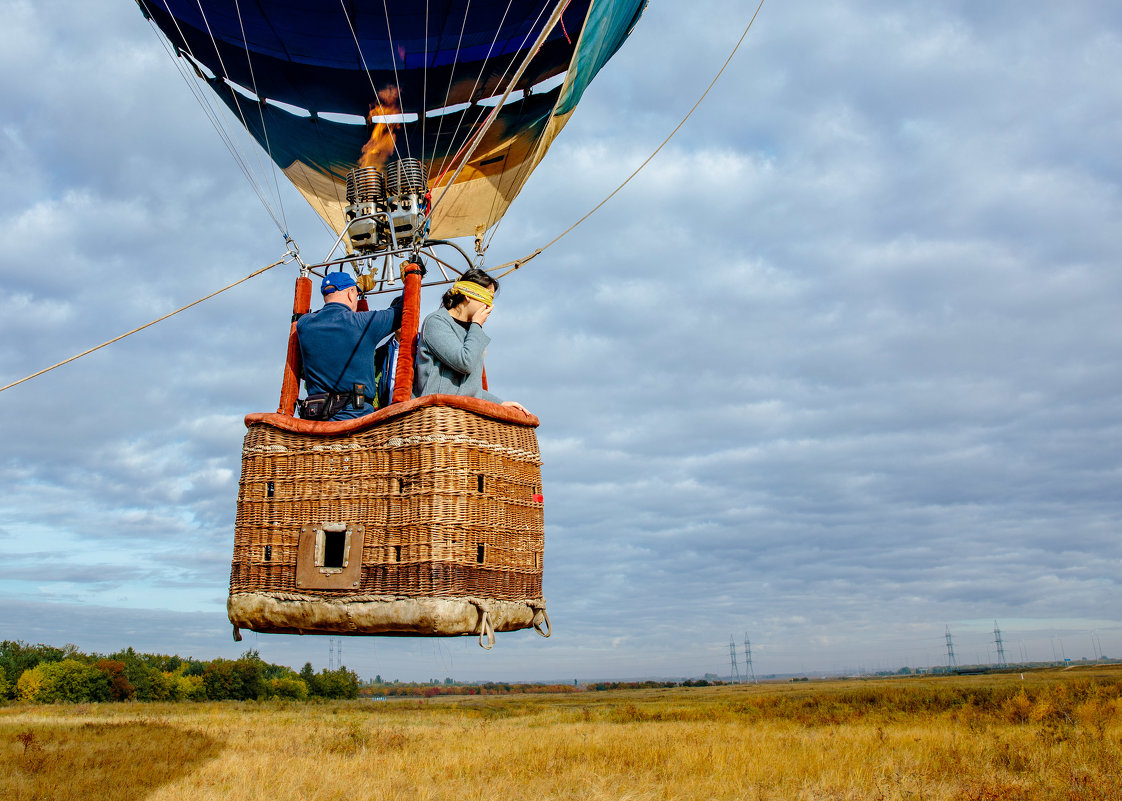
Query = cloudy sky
x=838 y=370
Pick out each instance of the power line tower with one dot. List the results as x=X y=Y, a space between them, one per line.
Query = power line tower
x=334 y=653
x=748 y=669
x=1000 y=645
x=732 y=658
x=951 y=661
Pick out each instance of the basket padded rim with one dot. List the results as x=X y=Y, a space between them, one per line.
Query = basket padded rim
x=495 y=411
x=447 y=617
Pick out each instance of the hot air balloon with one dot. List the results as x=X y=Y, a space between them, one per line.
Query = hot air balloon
x=404 y=126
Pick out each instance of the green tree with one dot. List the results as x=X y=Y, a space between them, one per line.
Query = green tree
x=239 y=680
x=339 y=683
x=162 y=686
x=163 y=662
x=17 y=656
x=189 y=687
x=70 y=680
x=192 y=667
x=292 y=687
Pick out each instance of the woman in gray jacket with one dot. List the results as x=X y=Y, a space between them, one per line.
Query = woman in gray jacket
x=452 y=342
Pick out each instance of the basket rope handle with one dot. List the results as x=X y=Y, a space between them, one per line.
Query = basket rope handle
x=486 y=632
x=545 y=620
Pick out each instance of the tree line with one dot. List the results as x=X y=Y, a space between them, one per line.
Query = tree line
x=432 y=689
x=45 y=674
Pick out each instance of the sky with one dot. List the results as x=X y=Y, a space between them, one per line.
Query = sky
x=836 y=372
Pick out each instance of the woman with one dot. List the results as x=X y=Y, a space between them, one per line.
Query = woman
x=452 y=342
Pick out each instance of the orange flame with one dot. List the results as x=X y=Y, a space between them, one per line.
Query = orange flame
x=381 y=143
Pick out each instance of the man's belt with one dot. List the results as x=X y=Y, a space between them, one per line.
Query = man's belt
x=325 y=405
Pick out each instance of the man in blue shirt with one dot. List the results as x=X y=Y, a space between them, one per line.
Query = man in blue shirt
x=337 y=349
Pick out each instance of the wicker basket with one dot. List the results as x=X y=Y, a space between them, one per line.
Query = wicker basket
x=424 y=518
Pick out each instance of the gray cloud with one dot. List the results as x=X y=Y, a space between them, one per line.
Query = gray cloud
x=839 y=368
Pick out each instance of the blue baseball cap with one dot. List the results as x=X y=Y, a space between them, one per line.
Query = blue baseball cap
x=336 y=282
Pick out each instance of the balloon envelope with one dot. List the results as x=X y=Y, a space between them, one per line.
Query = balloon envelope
x=399 y=80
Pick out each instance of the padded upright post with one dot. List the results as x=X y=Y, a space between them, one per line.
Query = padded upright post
x=290 y=384
x=410 y=320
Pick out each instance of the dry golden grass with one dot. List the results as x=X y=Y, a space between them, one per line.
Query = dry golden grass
x=1055 y=735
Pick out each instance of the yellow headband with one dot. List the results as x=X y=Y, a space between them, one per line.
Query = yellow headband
x=474 y=291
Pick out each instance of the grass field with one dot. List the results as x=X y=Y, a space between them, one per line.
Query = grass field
x=1050 y=735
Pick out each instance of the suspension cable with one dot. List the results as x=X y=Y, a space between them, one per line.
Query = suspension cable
x=480 y=112
x=518 y=263
x=211 y=112
x=475 y=141
x=524 y=168
x=260 y=108
x=452 y=75
x=396 y=77
x=237 y=103
x=289 y=256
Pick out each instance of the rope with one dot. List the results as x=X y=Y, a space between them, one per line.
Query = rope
x=486 y=628
x=517 y=263
x=544 y=619
x=287 y=257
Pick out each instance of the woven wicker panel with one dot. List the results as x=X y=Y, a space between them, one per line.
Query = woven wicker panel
x=446 y=497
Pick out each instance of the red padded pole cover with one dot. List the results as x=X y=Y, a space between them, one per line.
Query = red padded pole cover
x=410 y=320
x=290 y=384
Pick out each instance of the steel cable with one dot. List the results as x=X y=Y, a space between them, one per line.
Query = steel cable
x=287 y=257
x=518 y=263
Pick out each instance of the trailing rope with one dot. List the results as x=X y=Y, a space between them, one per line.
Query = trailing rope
x=517 y=263
x=287 y=258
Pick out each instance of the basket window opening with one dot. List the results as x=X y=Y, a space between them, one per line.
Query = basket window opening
x=329 y=556
x=268 y=489
x=268 y=553
x=334 y=548
x=397 y=553
x=479 y=483
x=480 y=553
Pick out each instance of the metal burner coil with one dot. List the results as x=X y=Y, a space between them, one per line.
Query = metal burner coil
x=406 y=177
x=365 y=185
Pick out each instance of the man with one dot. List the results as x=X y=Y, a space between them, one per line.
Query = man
x=337 y=349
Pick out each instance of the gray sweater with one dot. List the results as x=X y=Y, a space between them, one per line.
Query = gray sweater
x=450 y=358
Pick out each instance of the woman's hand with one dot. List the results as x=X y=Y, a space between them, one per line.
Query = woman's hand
x=514 y=405
x=481 y=314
